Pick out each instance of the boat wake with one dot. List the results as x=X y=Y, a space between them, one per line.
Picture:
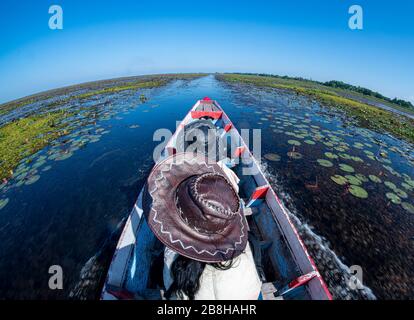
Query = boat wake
x=93 y=273
x=335 y=273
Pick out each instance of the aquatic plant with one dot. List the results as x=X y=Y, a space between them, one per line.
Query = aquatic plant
x=408 y=207
x=374 y=178
x=294 y=155
x=331 y=155
x=366 y=115
x=346 y=168
x=353 y=180
x=390 y=185
x=358 y=192
x=32 y=180
x=3 y=203
x=402 y=194
x=325 y=163
x=338 y=179
x=294 y=142
x=361 y=177
x=272 y=157
x=393 y=197
x=26 y=136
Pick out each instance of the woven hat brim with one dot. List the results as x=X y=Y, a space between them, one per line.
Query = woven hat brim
x=166 y=223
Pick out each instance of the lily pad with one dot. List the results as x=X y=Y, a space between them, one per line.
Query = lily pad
x=47 y=168
x=358 y=192
x=64 y=156
x=294 y=142
x=328 y=144
x=345 y=156
x=338 y=179
x=346 y=168
x=401 y=193
x=408 y=207
x=390 y=185
x=331 y=155
x=272 y=157
x=310 y=142
x=393 y=197
x=294 y=155
x=358 y=145
x=357 y=159
x=374 y=178
x=353 y=180
x=361 y=177
x=406 y=186
x=325 y=163
x=32 y=180
x=3 y=203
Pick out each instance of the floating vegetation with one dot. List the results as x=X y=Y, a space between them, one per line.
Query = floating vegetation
x=346 y=168
x=325 y=163
x=357 y=159
x=374 y=178
x=63 y=156
x=3 y=203
x=401 y=193
x=406 y=186
x=272 y=157
x=365 y=114
x=358 y=145
x=345 y=156
x=358 y=192
x=361 y=177
x=331 y=155
x=294 y=155
x=32 y=180
x=294 y=143
x=338 y=179
x=353 y=180
x=310 y=142
x=47 y=168
x=134 y=126
x=393 y=198
x=390 y=185
x=408 y=207
x=26 y=136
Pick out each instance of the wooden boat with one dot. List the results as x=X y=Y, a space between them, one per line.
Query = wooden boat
x=283 y=263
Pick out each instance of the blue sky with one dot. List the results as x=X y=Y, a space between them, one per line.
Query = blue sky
x=106 y=39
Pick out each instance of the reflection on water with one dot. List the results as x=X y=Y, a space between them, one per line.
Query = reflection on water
x=353 y=187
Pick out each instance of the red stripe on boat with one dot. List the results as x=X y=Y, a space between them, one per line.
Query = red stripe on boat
x=228 y=127
x=211 y=114
x=239 y=151
x=302 y=280
x=260 y=193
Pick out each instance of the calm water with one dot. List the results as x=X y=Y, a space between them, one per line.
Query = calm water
x=69 y=208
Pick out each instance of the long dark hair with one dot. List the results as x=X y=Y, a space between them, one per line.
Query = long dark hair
x=186 y=275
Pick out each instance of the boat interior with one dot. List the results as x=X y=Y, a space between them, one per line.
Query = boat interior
x=276 y=262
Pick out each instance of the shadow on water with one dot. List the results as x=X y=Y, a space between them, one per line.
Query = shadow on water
x=67 y=205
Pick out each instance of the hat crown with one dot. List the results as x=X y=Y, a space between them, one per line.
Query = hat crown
x=207 y=203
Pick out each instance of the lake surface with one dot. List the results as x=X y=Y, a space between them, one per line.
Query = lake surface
x=350 y=190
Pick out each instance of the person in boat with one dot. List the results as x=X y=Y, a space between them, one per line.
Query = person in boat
x=194 y=209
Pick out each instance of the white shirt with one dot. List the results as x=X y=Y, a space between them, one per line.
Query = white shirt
x=240 y=282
